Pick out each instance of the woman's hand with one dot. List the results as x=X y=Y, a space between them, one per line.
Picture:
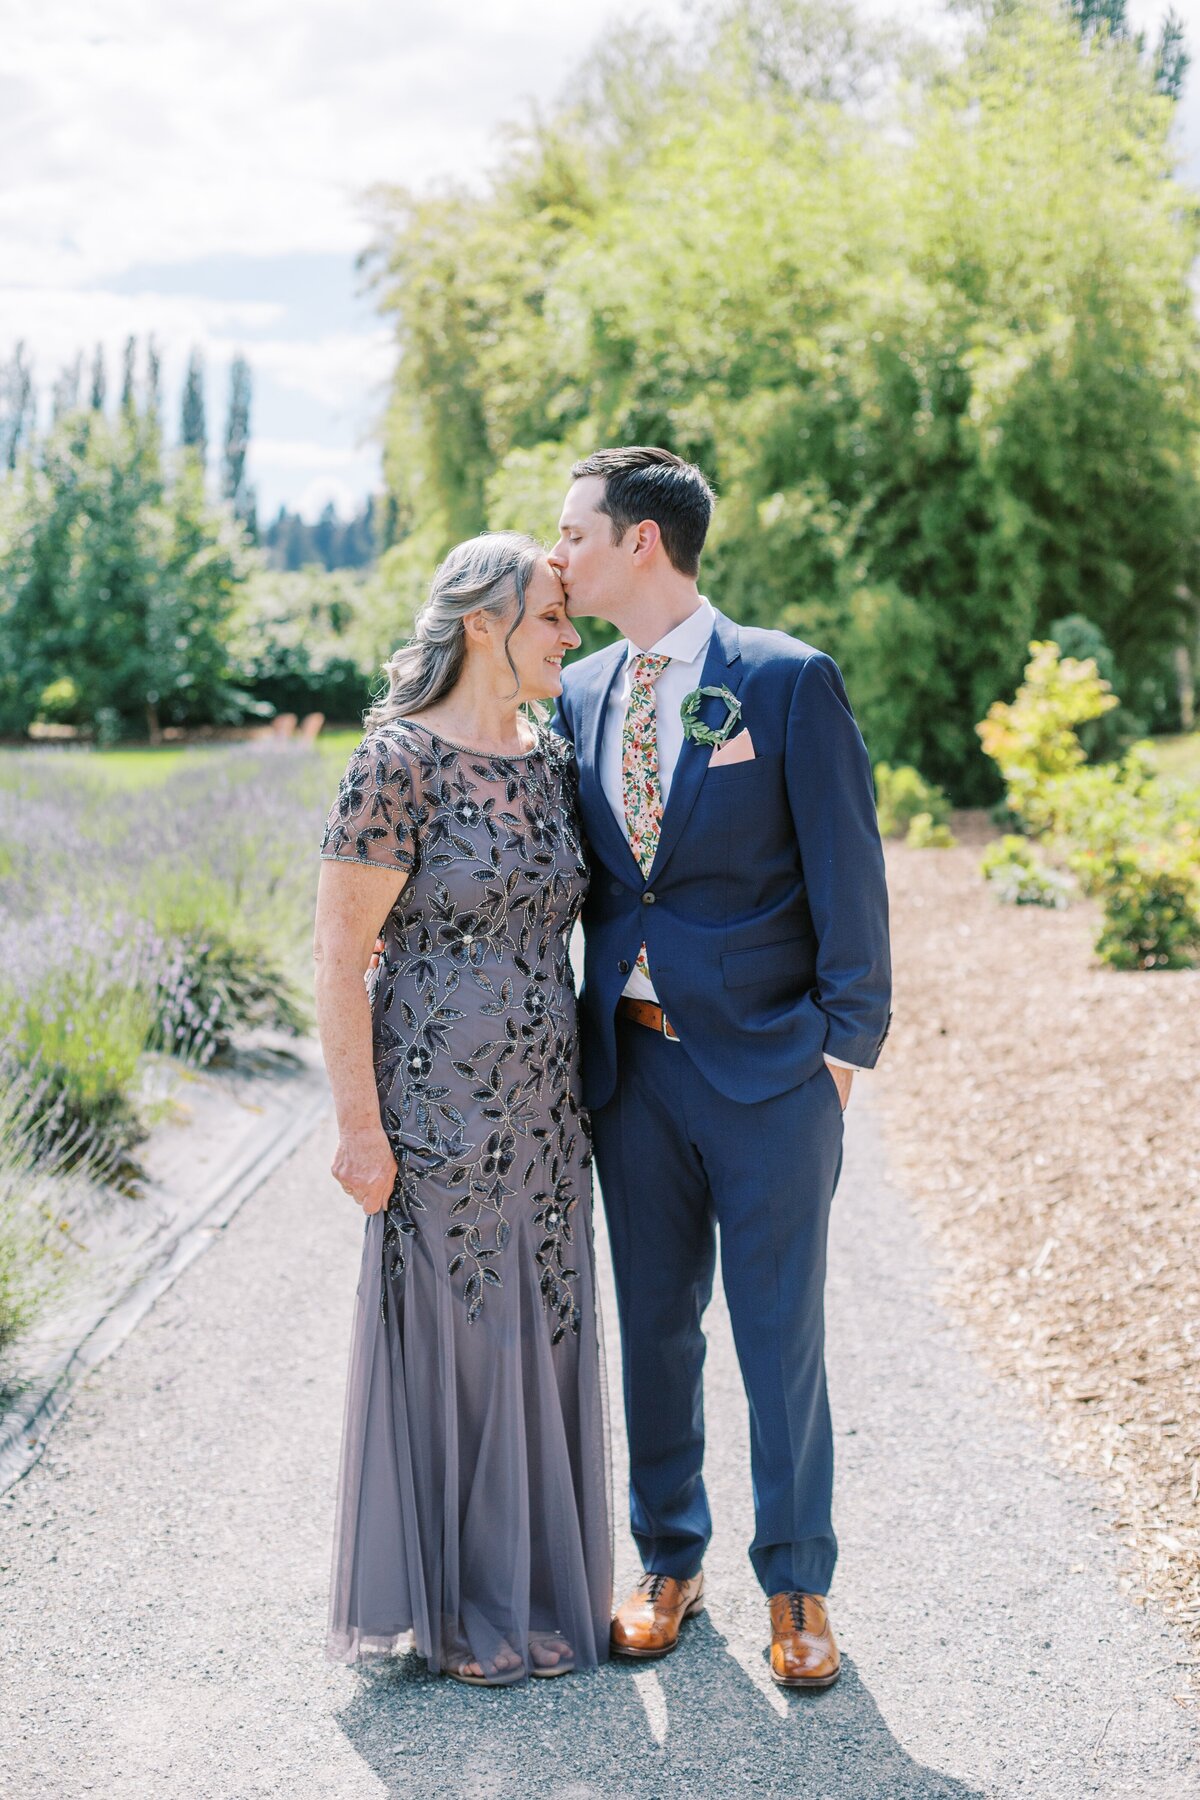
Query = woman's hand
x=352 y=900
x=365 y=1167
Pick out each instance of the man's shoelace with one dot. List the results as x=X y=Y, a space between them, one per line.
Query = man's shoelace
x=796 y=1607
x=653 y=1585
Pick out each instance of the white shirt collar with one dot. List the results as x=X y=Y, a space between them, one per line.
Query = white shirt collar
x=685 y=641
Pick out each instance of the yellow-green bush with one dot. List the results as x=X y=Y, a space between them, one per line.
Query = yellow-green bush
x=925 y=834
x=902 y=795
x=1132 y=841
x=1019 y=877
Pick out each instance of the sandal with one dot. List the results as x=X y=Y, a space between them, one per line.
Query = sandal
x=553 y=1645
x=505 y=1676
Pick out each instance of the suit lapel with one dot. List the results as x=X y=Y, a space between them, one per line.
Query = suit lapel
x=599 y=817
x=722 y=668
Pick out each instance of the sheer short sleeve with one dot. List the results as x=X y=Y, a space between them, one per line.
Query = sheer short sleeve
x=375 y=816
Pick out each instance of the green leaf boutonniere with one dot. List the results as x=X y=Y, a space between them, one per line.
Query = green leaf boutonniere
x=693 y=725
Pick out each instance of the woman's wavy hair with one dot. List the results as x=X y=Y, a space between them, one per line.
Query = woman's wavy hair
x=489 y=573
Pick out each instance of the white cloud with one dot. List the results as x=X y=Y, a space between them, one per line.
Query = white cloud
x=345 y=371
x=302 y=453
x=324 y=491
x=248 y=125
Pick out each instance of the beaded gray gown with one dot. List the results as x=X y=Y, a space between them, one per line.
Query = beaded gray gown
x=473 y=1506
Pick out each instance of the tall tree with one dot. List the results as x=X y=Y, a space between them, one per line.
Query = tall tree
x=193 y=431
x=234 y=486
x=17 y=406
x=1171 y=58
x=1095 y=15
x=153 y=380
x=65 y=397
x=942 y=361
x=99 y=381
x=128 y=378
x=120 y=586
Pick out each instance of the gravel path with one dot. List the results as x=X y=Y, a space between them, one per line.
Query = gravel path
x=163 y=1575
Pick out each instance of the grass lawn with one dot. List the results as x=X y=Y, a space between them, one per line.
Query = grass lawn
x=144 y=765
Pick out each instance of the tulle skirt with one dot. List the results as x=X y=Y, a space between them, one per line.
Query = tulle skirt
x=473 y=1516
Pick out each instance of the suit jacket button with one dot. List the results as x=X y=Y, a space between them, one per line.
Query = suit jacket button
x=647 y=898
x=622 y=967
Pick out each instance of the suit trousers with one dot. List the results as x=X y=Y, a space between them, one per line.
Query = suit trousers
x=677 y=1160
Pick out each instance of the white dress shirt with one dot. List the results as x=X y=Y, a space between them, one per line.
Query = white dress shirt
x=687 y=646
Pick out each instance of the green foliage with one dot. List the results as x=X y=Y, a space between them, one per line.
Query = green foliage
x=1131 y=838
x=1151 y=900
x=77 y=1040
x=234 y=486
x=925 y=834
x=193 y=428
x=1104 y=737
x=31 y=1229
x=939 y=357
x=313 y=641
x=333 y=543
x=220 y=976
x=1033 y=738
x=1019 y=877
x=117 y=581
x=902 y=795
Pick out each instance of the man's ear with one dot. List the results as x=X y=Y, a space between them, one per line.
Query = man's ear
x=647 y=538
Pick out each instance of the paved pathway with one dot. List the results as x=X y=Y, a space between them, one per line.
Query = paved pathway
x=163 y=1575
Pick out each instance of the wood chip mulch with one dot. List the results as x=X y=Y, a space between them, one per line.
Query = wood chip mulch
x=1044 y=1114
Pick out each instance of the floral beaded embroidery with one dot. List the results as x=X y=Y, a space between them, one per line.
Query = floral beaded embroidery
x=408 y=799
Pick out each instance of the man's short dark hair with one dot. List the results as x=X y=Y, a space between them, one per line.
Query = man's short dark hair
x=641 y=482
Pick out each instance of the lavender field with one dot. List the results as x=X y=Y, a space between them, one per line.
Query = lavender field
x=151 y=905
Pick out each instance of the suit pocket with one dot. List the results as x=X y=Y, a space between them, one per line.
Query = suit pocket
x=754 y=768
x=766 y=962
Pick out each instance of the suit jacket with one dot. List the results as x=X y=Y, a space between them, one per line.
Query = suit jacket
x=765 y=910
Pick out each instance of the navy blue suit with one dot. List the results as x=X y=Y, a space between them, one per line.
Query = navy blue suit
x=764 y=915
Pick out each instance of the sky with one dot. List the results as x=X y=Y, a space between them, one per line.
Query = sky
x=205 y=176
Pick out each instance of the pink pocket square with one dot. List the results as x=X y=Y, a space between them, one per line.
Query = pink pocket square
x=738 y=749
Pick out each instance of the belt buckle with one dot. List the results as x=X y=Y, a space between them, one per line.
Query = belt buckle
x=672 y=1037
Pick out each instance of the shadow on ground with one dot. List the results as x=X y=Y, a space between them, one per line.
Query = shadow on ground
x=695 y=1724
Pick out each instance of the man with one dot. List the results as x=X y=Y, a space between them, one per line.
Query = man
x=736 y=974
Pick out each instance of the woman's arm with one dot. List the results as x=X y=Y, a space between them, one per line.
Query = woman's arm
x=353 y=900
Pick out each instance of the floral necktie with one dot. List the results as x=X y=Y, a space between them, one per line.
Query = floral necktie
x=640 y=783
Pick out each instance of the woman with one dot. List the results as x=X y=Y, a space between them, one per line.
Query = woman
x=473 y=1504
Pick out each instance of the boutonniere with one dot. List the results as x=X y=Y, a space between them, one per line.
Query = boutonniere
x=693 y=725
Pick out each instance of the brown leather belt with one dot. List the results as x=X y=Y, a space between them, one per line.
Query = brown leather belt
x=645 y=1012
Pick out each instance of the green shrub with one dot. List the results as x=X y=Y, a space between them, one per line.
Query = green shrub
x=1032 y=738
x=1131 y=839
x=924 y=834
x=1151 y=896
x=903 y=793
x=216 y=977
x=78 y=1043
x=1018 y=877
x=213 y=987
x=38 y=1184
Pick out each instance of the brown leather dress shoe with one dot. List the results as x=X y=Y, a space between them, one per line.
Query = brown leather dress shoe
x=647 y=1624
x=803 y=1653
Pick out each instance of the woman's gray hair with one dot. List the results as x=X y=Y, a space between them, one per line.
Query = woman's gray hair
x=490 y=574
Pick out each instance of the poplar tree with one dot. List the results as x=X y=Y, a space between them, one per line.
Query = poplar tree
x=65 y=398
x=193 y=432
x=234 y=486
x=17 y=406
x=99 y=381
x=153 y=380
x=128 y=394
